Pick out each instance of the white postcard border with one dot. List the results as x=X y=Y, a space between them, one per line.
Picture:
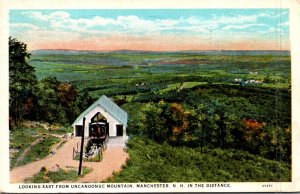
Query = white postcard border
x=294 y=9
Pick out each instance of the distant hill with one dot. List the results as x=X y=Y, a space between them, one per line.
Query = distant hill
x=209 y=52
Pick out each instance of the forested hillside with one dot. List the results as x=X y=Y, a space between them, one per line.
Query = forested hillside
x=153 y=162
x=194 y=116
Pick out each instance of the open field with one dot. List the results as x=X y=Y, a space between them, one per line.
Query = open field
x=116 y=73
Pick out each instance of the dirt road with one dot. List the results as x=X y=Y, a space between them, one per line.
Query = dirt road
x=114 y=158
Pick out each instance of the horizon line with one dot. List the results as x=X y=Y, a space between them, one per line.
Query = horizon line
x=91 y=50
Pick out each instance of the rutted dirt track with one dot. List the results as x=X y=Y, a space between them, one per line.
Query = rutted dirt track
x=21 y=157
x=114 y=158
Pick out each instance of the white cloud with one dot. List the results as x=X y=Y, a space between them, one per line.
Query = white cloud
x=132 y=24
x=36 y=15
x=59 y=15
x=168 y=22
x=277 y=31
x=234 y=22
x=240 y=19
x=96 y=21
x=245 y=26
x=24 y=26
x=285 y=24
x=273 y=15
x=54 y=15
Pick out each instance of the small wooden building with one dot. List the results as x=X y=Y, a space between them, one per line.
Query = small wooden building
x=103 y=114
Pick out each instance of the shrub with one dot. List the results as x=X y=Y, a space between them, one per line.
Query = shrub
x=153 y=162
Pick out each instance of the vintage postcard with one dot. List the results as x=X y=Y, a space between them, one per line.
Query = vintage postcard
x=171 y=96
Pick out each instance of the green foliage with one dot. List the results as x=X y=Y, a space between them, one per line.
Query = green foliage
x=20 y=139
x=40 y=150
x=28 y=132
x=62 y=130
x=45 y=176
x=48 y=100
x=176 y=99
x=133 y=73
x=97 y=158
x=21 y=79
x=154 y=124
x=58 y=102
x=214 y=121
x=163 y=122
x=153 y=162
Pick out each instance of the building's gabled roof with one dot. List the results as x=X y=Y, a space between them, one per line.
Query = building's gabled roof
x=109 y=106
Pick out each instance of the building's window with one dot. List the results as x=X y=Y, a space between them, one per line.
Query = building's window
x=119 y=130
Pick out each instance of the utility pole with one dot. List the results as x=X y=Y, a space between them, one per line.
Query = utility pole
x=81 y=147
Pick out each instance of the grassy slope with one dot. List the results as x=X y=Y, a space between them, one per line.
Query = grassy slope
x=152 y=162
x=184 y=85
x=40 y=150
x=22 y=137
x=45 y=176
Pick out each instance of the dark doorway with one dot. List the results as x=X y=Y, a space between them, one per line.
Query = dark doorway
x=107 y=128
x=119 y=130
x=78 y=130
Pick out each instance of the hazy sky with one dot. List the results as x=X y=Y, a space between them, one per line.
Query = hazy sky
x=156 y=29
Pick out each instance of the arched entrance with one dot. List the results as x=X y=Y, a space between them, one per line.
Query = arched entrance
x=98 y=126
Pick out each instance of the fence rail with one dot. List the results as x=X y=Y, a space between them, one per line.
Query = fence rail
x=94 y=155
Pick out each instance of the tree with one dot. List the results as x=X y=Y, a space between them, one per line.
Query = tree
x=48 y=100
x=59 y=102
x=48 y=106
x=203 y=125
x=21 y=78
x=154 y=124
x=177 y=123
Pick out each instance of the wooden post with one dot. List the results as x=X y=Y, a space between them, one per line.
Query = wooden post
x=81 y=147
